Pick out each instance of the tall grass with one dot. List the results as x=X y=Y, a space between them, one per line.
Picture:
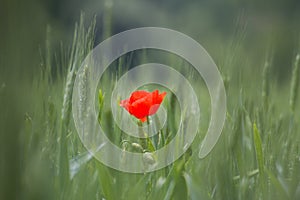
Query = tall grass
x=257 y=157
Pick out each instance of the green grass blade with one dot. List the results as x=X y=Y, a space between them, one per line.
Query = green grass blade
x=258 y=149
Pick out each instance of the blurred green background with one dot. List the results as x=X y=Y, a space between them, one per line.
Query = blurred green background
x=258 y=27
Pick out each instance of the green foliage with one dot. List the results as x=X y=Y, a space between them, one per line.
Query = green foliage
x=251 y=161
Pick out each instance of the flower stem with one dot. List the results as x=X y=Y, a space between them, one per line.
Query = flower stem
x=142 y=135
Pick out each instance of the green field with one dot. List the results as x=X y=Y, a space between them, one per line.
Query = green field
x=256 y=157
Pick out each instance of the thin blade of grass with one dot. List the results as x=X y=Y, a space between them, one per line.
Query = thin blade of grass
x=258 y=149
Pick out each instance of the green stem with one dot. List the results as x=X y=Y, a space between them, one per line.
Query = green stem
x=141 y=135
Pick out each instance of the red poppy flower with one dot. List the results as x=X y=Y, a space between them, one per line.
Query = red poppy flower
x=142 y=103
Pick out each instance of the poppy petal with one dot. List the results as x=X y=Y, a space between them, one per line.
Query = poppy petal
x=142 y=103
